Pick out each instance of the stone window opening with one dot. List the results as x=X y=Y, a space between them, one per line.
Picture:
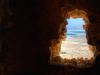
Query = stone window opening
x=58 y=55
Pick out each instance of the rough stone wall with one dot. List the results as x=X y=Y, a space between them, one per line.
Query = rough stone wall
x=34 y=25
x=28 y=42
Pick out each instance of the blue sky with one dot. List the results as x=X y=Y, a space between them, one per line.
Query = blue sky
x=75 y=26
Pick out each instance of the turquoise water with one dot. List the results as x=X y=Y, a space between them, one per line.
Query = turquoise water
x=74 y=33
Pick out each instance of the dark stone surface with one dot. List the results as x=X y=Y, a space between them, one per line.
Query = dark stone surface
x=35 y=24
